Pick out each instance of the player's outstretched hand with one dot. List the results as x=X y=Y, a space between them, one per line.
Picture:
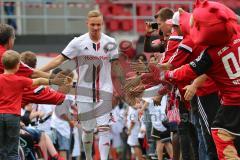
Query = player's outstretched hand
x=61 y=79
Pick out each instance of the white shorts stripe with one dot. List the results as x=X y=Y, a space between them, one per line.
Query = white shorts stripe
x=203 y=114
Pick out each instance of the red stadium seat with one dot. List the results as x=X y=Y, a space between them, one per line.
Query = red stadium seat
x=113 y=25
x=117 y=9
x=106 y=9
x=127 y=24
x=144 y=10
x=141 y=26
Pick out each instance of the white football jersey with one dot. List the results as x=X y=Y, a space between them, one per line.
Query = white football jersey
x=93 y=66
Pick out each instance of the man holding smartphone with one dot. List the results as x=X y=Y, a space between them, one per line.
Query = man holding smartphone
x=160 y=26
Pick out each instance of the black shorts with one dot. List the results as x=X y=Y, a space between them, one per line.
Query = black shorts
x=208 y=106
x=141 y=142
x=228 y=119
x=162 y=136
x=173 y=127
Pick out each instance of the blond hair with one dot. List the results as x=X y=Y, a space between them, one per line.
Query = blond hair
x=94 y=13
x=10 y=59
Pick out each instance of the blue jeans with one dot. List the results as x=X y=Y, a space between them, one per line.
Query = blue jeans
x=9 y=136
x=202 y=151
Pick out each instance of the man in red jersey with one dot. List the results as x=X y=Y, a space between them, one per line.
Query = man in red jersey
x=35 y=94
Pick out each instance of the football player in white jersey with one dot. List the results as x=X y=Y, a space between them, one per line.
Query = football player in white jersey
x=94 y=53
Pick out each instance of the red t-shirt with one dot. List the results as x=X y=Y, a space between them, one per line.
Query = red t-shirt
x=187 y=51
x=24 y=70
x=172 y=46
x=12 y=87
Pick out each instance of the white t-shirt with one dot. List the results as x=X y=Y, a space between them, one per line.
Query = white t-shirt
x=117 y=126
x=158 y=114
x=60 y=125
x=132 y=116
x=93 y=66
x=48 y=110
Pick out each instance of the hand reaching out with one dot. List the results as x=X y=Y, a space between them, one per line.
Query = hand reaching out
x=190 y=92
x=60 y=79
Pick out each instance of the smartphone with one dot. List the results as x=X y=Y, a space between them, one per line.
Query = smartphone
x=154 y=25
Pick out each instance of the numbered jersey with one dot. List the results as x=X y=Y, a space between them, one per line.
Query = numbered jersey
x=222 y=64
x=93 y=66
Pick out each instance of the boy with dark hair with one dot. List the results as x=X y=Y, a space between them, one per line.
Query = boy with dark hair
x=12 y=87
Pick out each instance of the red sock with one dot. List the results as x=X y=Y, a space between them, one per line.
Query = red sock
x=224 y=144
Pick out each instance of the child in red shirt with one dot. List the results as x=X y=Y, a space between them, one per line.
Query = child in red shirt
x=12 y=87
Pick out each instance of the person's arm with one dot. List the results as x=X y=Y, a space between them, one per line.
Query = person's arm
x=165 y=66
x=190 y=71
x=56 y=81
x=38 y=74
x=54 y=63
x=41 y=81
x=191 y=89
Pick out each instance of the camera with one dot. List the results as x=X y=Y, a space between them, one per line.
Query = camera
x=154 y=25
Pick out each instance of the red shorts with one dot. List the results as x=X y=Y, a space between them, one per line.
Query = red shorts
x=42 y=95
